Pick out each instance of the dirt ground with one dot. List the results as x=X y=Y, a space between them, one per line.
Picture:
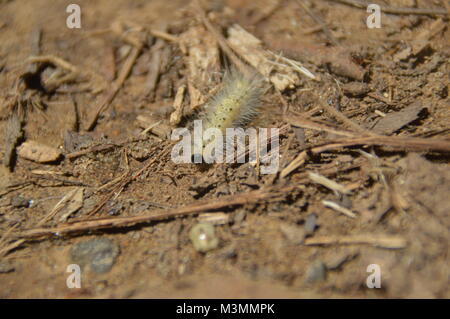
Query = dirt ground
x=368 y=136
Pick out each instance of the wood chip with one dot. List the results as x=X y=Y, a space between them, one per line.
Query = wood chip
x=394 y=121
x=381 y=241
x=296 y=163
x=13 y=134
x=176 y=115
x=347 y=212
x=277 y=69
x=196 y=97
x=38 y=152
x=202 y=54
x=328 y=183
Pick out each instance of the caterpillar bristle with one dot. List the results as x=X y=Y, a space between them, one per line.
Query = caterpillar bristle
x=237 y=103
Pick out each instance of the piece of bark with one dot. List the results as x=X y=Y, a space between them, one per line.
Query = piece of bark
x=203 y=62
x=395 y=121
x=176 y=116
x=196 y=97
x=275 y=68
x=203 y=59
x=37 y=152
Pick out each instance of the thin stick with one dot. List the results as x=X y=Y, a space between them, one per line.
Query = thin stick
x=6 y=247
x=340 y=116
x=347 y=212
x=296 y=163
x=108 y=223
x=303 y=122
x=126 y=180
x=381 y=241
x=244 y=68
x=164 y=35
x=412 y=143
x=328 y=183
x=5 y=250
x=124 y=72
x=94 y=149
x=319 y=21
x=409 y=143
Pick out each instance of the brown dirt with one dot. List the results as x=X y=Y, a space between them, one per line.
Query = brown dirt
x=260 y=255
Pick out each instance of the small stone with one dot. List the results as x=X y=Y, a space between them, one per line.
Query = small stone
x=19 y=201
x=310 y=223
x=316 y=272
x=346 y=202
x=6 y=267
x=100 y=254
x=37 y=152
x=203 y=237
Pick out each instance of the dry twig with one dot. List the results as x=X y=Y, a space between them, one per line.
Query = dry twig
x=382 y=241
x=119 y=222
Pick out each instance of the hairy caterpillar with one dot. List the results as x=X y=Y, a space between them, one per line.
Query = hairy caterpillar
x=235 y=105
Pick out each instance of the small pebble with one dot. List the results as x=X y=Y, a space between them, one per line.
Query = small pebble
x=346 y=202
x=100 y=254
x=37 y=152
x=310 y=223
x=316 y=272
x=19 y=201
x=203 y=237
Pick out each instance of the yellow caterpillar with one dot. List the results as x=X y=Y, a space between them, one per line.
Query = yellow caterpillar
x=235 y=105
